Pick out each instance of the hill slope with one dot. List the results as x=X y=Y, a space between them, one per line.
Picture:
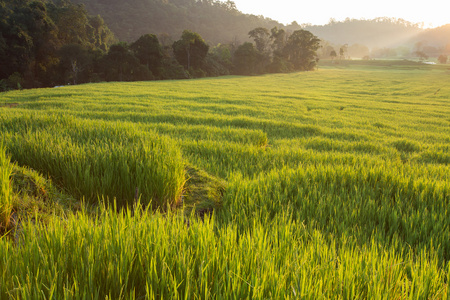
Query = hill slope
x=380 y=32
x=221 y=22
x=217 y=22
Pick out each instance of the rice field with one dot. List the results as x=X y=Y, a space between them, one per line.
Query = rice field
x=336 y=186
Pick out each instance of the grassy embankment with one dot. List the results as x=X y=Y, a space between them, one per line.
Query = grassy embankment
x=337 y=185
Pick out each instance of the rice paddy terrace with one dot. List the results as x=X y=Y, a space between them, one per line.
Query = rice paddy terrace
x=325 y=184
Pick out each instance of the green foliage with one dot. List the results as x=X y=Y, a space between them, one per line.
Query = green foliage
x=406 y=146
x=190 y=50
x=33 y=33
x=98 y=159
x=121 y=65
x=149 y=52
x=301 y=50
x=5 y=190
x=30 y=37
x=74 y=61
x=246 y=60
x=141 y=255
x=260 y=36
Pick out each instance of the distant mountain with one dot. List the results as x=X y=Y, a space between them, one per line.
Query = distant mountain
x=435 y=37
x=379 y=32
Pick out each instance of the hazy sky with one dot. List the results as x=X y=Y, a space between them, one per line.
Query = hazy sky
x=432 y=13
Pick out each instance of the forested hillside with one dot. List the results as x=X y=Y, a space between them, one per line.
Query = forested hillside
x=221 y=22
x=216 y=21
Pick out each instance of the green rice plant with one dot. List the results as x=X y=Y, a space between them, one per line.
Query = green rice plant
x=440 y=154
x=92 y=159
x=406 y=146
x=155 y=256
x=366 y=202
x=5 y=189
x=318 y=204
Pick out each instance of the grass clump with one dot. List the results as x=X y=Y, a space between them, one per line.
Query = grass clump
x=406 y=146
x=93 y=159
x=5 y=190
x=35 y=195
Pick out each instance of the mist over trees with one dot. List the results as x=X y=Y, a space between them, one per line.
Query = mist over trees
x=379 y=32
x=381 y=38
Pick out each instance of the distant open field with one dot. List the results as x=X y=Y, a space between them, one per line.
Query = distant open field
x=326 y=184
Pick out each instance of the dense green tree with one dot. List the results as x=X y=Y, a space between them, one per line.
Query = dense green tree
x=149 y=52
x=224 y=54
x=342 y=51
x=246 y=59
x=219 y=60
x=171 y=69
x=278 y=40
x=32 y=42
x=32 y=32
x=75 y=26
x=74 y=60
x=121 y=65
x=190 y=50
x=301 y=50
x=117 y=61
x=72 y=22
x=261 y=37
x=5 y=28
x=101 y=37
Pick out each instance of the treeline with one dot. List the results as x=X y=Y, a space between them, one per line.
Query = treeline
x=52 y=44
